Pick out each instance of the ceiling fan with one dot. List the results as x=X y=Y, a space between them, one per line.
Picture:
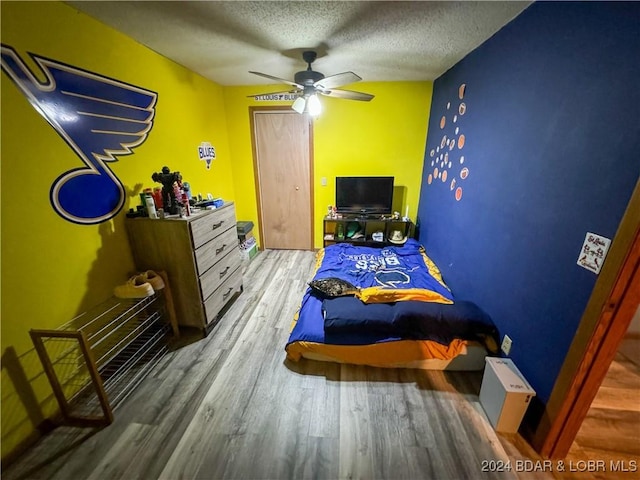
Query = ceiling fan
x=308 y=83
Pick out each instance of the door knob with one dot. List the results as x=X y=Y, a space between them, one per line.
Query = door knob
x=297 y=188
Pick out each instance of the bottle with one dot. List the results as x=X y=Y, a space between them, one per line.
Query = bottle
x=157 y=197
x=185 y=204
x=151 y=206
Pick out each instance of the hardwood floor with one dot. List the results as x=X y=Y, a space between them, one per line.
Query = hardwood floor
x=610 y=432
x=230 y=407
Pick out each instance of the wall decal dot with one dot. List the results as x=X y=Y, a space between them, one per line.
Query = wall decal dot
x=455 y=118
x=457 y=130
x=461 y=91
x=432 y=152
x=435 y=172
x=453 y=184
x=448 y=105
x=464 y=173
x=443 y=121
x=458 y=193
x=461 y=140
x=462 y=108
x=461 y=159
x=429 y=179
x=432 y=163
x=446 y=157
x=438 y=149
x=443 y=141
x=442 y=164
x=449 y=164
x=444 y=176
x=452 y=144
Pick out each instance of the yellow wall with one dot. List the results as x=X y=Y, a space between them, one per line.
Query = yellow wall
x=53 y=269
x=383 y=137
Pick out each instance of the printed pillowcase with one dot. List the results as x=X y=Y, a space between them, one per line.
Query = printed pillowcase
x=332 y=287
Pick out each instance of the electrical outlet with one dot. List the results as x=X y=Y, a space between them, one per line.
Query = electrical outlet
x=506 y=345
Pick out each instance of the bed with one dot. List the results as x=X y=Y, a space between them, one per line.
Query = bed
x=391 y=309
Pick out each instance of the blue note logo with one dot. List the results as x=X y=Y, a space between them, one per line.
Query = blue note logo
x=98 y=117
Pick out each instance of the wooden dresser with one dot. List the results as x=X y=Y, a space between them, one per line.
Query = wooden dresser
x=200 y=256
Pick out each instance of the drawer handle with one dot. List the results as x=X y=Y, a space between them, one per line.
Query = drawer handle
x=217 y=225
x=225 y=295
x=224 y=272
x=218 y=250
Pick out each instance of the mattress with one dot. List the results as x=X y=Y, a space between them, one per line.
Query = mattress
x=402 y=314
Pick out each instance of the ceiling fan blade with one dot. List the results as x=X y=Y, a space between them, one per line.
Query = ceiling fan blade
x=282 y=80
x=348 y=94
x=337 y=80
x=289 y=92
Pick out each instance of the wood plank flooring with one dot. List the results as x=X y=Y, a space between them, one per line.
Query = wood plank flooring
x=230 y=406
x=610 y=432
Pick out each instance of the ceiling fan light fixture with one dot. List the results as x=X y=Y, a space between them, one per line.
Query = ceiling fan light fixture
x=299 y=104
x=314 y=106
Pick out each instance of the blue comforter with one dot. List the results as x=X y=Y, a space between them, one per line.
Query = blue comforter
x=413 y=320
x=396 y=269
x=393 y=273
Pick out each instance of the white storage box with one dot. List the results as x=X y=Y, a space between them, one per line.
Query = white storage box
x=505 y=394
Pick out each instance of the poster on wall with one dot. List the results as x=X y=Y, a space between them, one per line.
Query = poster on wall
x=100 y=118
x=447 y=160
x=593 y=252
x=206 y=153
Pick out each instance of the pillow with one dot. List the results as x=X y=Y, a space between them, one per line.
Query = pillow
x=332 y=287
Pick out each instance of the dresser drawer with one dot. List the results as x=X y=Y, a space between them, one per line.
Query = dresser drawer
x=215 y=250
x=222 y=295
x=213 y=224
x=216 y=275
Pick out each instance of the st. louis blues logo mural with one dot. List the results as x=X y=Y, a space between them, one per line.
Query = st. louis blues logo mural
x=98 y=117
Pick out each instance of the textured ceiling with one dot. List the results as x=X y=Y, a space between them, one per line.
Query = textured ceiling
x=380 y=41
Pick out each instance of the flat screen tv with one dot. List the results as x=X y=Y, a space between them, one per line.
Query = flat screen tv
x=364 y=195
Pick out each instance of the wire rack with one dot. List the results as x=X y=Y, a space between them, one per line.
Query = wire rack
x=96 y=360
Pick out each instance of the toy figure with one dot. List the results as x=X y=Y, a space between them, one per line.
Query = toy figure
x=168 y=179
x=186 y=188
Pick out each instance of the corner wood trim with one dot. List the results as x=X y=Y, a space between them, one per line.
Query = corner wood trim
x=604 y=323
x=612 y=326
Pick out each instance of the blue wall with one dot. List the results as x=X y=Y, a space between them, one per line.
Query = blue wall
x=552 y=147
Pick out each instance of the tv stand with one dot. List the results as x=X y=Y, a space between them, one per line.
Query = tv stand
x=361 y=230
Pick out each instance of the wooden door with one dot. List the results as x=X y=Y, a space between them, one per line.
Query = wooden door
x=282 y=157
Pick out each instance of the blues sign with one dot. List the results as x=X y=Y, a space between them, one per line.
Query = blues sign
x=98 y=117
